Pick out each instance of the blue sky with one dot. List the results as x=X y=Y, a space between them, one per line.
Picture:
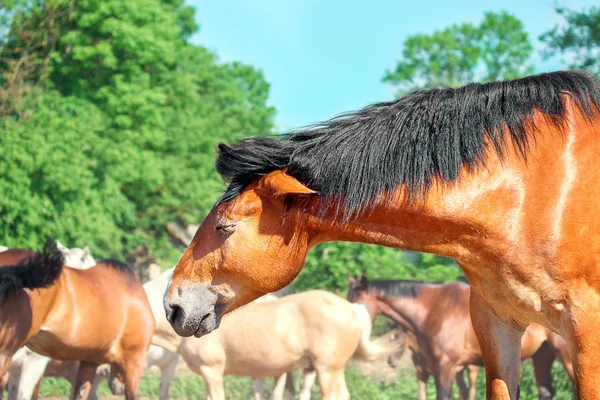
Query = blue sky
x=324 y=57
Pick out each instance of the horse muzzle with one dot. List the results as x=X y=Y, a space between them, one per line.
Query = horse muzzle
x=192 y=311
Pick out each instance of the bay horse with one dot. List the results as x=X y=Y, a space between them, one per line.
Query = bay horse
x=437 y=318
x=500 y=176
x=95 y=316
x=27 y=367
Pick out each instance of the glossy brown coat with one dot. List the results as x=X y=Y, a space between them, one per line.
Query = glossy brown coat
x=99 y=315
x=525 y=234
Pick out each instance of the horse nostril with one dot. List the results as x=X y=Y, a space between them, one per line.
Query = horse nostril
x=176 y=313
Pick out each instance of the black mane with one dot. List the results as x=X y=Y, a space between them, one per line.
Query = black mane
x=396 y=287
x=424 y=137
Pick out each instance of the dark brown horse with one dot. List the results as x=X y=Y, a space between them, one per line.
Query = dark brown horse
x=95 y=316
x=438 y=324
x=502 y=177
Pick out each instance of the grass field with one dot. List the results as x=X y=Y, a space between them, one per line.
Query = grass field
x=379 y=385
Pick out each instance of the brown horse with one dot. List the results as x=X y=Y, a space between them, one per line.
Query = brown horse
x=437 y=319
x=502 y=177
x=95 y=316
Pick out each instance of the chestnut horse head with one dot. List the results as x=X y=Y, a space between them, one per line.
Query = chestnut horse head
x=399 y=174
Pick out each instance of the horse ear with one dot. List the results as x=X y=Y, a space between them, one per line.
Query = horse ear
x=86 y=251
x=364 y=281
x=279 y=183
x=351 y=280
x=61 y=247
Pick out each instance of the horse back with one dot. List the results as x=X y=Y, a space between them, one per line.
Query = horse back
x=97 y=314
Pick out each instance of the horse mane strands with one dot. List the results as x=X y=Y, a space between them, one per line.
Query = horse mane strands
x=427 y=136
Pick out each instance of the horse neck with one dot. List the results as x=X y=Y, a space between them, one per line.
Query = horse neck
x=23 y=312
x=410 y=312
x=447 y=220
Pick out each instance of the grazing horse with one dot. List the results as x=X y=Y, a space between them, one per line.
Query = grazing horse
x=502 y=177
x=436 y=317
x=95 y=316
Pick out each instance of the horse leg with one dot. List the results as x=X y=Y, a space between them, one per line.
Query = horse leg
x=462 y=386
x=444 y=377
x=289 y=389
x=582 y=337
x=500 y=343
x=561 y=349
x=3 y=385
x=542 y=367
x=473 y=372
x=280 y=386
x=309 y=380
x=214 y=383
x=133 y=368
x=333 y=384
x=166 y=377
x=422 y=376
x=258 y=387
x=83 y=381
x=32 y=373
x=102 y=372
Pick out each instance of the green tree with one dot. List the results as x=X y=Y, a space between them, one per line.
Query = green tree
x=497 y=48
x=114 y=135
x=577 y=38
x=328 y=266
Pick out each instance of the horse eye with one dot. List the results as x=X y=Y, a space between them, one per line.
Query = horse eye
x=226 y=229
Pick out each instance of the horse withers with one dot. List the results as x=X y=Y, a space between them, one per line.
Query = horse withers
x=95 y=316
x=500 y=176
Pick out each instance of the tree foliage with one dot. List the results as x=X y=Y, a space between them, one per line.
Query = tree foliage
x=329 y=265
x=109 y=121
x=577 y=38
x=497 y=48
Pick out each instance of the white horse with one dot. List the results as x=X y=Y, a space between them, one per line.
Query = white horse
x=77 y=258
x=28 y=367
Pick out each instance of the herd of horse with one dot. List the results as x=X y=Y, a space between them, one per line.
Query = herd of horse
x=315 y=331
x=68 y=333
x=500 y=176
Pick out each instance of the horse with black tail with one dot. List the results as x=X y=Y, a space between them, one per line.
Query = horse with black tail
x=47 y=307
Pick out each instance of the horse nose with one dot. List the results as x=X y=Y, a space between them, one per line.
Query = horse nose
x=175 y=314
x=191 y=311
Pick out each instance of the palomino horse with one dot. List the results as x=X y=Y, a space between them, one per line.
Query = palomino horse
x=311 y=330
x=96 y=316
x=165 y=347
x=28 y=367
x=500 y=176
x=436 y=317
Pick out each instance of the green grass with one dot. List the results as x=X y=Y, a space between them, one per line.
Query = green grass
x=404 y=386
